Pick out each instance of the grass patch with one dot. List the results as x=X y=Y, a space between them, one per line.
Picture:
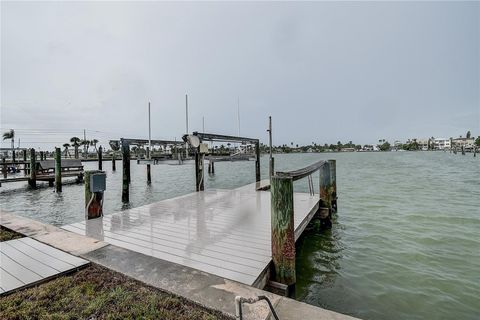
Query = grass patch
x=98 y=293
x=6 y=234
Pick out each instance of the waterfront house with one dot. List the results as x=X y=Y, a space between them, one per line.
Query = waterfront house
x=441 y=144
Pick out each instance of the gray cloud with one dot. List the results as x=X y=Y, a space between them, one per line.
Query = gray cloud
x=325 y=71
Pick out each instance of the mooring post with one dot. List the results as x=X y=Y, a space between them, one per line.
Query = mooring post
x=100 y=158
x=283 y=233
x=4 y=168
x=25 y=172
x=325 y=185
x=93 y=200
x=333 y=183
x=33 y=170
x=149 y=174
x=41 y=155
x=199 y=170
x=13 y=156
x=257 y=161
x=114 y=167
x=463 y=150
x=58 y=170
x=325 y=206
x=126 y=172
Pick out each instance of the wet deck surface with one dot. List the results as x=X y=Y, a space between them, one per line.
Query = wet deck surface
x=25 y=262
x=222 y=232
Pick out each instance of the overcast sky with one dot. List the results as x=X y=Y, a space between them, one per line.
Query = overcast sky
x=324 y=71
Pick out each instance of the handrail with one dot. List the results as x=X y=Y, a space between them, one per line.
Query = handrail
x=301 y=173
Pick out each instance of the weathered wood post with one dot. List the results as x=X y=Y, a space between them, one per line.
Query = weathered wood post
x=283 y=233
x=325 y=207
x=100 y=158
x=211 y=166
x=257 y=161
x=4 y=168
x=13 y=156
x=114 y=167
x=325 y=185
x=93 y=200
x=41 y=155
x=333 y=183
x=126 y=172
x=149 y=174
x=25 y=171
x=463 y=150
x=58 y=170
x=33 y=169
x=199 y=170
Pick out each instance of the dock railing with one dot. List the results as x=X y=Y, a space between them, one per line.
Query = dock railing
x=282 y=214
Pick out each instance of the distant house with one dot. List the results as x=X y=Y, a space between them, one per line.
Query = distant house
x=441 y=144
x=467 y=143
x=423 y=144
x=348 y=150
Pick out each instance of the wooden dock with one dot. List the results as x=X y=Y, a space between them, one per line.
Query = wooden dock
x=25 y=262
x=222 y=232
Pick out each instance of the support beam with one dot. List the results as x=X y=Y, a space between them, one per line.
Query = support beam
x=283 y=232
x=126 y=173
x=58 y=170
x=33 y=170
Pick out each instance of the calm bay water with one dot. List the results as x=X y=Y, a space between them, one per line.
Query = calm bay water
x=405 y=243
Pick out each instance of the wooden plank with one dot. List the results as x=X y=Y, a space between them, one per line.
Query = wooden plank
x=55 y=253
x=17 y=270
x=8 y=281
x=28 y=262
x=41 y=257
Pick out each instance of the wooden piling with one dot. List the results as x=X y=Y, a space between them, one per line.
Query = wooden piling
x=257 y=161
x=126 y=172
x=13 y=155
x=33 y=169
x=283 y=233
x=211 y=166
x=4 y=168
x=325 y=185
x=100 y=158
x=42 y=154
x=333 y=183
x=114 y=167
x=149 y=173
x=93 y=201
x=199 y=171
x=58 y=170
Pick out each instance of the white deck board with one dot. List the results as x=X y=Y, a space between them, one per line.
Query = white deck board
x=223 y=232
x=25 y=262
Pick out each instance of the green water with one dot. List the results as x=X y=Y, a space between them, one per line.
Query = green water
x=405 y=243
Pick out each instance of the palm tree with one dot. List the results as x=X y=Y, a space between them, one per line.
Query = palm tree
x=66 y=145
x=86 y=143
x=75 y=143
x=94 y=143
x=10 y=135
